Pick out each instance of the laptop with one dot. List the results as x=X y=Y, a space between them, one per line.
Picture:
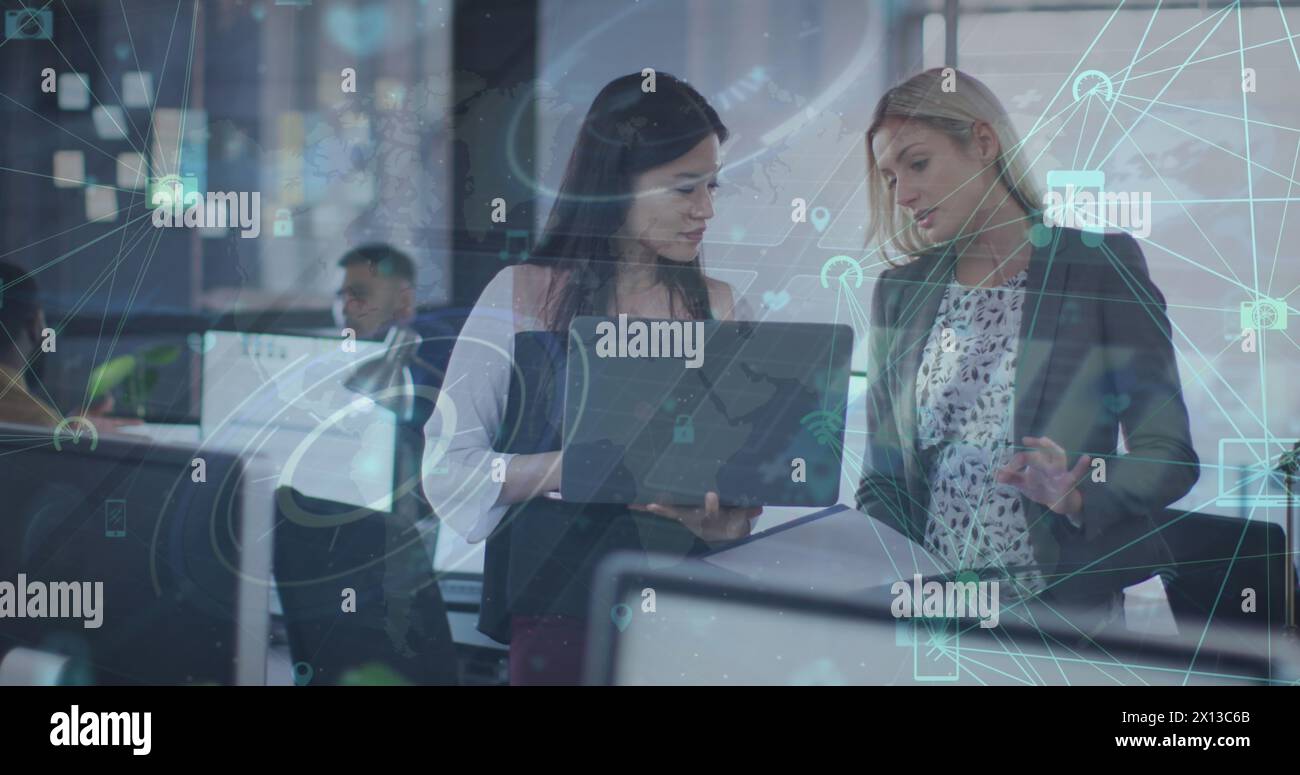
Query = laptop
x=667 y=411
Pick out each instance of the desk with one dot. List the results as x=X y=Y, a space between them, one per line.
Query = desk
x=841 y=551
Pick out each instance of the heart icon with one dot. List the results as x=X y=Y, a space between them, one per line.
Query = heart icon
x=1115 y=403
x=1070 y=313
x=775 y=301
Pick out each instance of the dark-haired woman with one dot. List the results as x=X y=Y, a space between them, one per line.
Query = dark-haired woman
x=624 y=237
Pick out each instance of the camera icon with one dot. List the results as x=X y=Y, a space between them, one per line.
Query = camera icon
x=1263 y=315
x=27 y=24
x=169 y=191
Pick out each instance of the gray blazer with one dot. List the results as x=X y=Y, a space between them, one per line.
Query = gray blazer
x=1095 y=356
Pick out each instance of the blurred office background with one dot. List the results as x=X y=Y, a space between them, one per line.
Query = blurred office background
x=457 y=103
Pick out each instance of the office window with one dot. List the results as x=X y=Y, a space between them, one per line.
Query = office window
x=352 y=145
x=324 y=126
x=793 y=82
x=1204 y=121
x=334 y=115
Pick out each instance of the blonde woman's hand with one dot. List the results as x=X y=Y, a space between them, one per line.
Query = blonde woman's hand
x=1043 y=474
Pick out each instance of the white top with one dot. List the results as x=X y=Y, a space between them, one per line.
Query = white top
x=460 y=436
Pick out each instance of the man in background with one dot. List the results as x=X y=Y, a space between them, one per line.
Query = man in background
x=378 y=290
x=400 y=619
x=378 y=293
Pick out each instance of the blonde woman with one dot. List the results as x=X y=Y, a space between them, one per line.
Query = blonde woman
x=1005 y=358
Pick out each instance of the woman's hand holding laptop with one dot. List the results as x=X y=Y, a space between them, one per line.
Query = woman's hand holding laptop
x=710 y=522
x=529 y=476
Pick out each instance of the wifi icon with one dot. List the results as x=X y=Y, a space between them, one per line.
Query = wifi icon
x=824 y=425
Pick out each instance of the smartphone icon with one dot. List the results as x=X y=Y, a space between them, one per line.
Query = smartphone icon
x=115 y=518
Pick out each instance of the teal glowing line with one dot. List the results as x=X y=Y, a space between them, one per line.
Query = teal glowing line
x=1110 y=110
x=1170 y=82
x=1281 y=229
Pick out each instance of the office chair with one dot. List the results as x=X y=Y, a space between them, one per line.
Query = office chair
x=399 y=622
x=1216 y=559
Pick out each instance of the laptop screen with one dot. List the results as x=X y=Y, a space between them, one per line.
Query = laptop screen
x=752 y=411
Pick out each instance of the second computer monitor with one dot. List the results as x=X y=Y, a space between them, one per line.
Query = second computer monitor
x=283 y=397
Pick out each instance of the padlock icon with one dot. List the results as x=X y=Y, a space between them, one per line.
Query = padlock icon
x=683 y=430
x=283 y=224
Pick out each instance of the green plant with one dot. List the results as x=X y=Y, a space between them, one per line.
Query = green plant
x=136 y=374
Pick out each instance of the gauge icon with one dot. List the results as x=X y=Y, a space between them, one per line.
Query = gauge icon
x=1093 y=83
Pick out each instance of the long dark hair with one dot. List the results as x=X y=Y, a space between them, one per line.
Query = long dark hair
x=626 y=132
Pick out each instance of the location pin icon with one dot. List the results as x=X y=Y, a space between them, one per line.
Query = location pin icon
x=302 y=673
x=821 y=218
x=622 y=616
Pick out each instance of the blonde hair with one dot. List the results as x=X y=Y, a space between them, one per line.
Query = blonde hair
x=922 y=99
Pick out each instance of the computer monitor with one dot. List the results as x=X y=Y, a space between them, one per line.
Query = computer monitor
x=283 y=397
x=691 y=624
x=167 y=559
